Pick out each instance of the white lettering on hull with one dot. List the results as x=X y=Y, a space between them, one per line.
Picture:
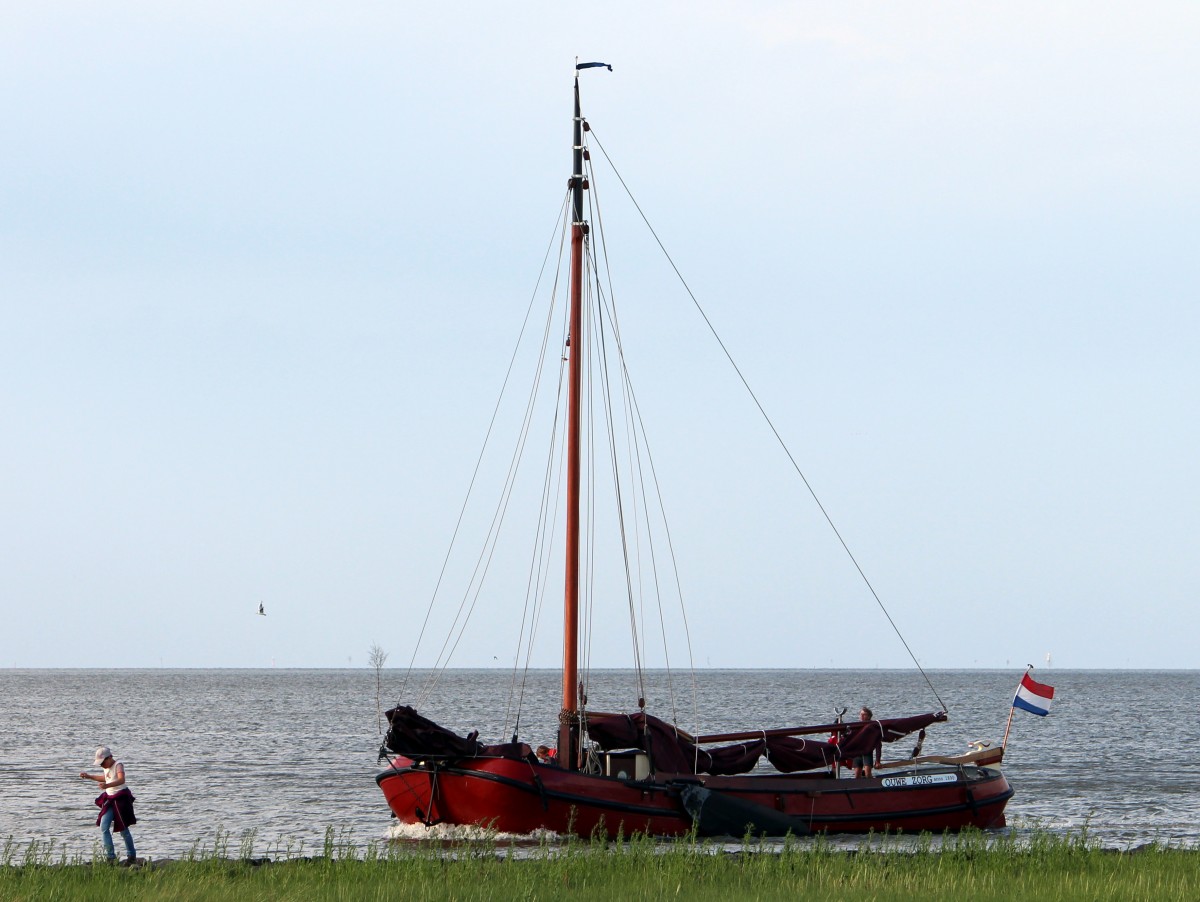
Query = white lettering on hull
x=920 y=780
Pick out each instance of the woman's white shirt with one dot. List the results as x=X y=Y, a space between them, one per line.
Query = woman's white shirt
x=111 y=775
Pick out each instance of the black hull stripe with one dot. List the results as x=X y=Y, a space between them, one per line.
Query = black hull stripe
x=551 y=794
x=990 y=802
x=880 y=817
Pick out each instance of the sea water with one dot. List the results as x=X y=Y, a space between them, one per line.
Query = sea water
x=277 y=762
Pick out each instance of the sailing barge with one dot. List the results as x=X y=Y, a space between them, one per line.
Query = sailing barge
x=634 y=773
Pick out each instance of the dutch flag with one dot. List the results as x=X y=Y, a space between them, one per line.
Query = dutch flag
x=1033 y=696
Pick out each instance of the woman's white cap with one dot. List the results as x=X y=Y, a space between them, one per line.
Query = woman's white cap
x=102 y=753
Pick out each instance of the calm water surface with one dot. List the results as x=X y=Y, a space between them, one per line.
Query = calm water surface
x=282 y=756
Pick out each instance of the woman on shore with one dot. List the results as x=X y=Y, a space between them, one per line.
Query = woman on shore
x=115 y=803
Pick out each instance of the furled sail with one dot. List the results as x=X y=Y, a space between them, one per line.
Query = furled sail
x=414 y=736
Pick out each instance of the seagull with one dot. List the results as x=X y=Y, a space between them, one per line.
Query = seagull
x=260 y=609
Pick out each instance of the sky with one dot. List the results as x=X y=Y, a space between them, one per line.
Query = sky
x=262 y=266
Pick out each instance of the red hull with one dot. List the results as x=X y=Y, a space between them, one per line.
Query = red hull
x=518 y=797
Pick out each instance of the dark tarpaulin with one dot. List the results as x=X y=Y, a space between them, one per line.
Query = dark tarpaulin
x=869 y=737
x=732 y=759
x=898 y=727
x=414 y=736
x=792 y=753
x=669 y=749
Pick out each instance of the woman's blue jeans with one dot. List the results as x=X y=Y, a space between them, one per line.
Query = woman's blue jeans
x=106 y=837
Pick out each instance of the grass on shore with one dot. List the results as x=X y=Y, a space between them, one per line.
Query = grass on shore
x=970 y=866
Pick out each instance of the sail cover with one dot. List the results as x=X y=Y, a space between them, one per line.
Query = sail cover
x=788 y=754
x=414 y=736
x=672 y=751
x=669 y=748
x=867 y=738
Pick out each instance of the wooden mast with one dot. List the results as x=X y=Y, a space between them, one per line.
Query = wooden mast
x=569 y=715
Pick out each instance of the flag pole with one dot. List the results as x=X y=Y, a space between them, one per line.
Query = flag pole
x=1011 y=711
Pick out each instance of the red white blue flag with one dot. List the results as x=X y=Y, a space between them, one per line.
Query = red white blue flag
x=1033 y=696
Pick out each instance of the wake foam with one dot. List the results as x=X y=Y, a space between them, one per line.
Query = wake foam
x=464 y=833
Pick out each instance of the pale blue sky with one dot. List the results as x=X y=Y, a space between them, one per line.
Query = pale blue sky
x=261 y=266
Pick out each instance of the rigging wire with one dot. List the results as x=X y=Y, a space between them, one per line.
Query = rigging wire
x=486 y=439
x=600 y=309
x=587 y=591
x=596 y=363
x=538 y=566
x=670 y=555
x=622 y=529
x=632 y=418
x=637 y=427
x=479 y=459
x=770 y=424
x=491 y=541
x=540 y=561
